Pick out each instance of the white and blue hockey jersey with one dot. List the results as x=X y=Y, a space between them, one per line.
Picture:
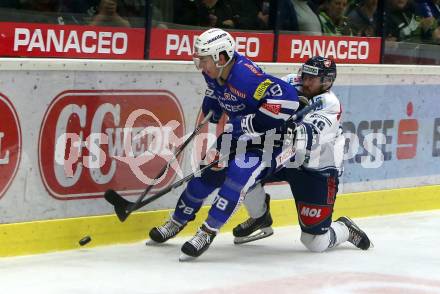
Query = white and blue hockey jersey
x=327 y=149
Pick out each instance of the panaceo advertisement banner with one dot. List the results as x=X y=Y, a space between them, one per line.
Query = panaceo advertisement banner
x=70 y=41
x=299 y=48
x=178 y=44
x=74 y=41
x=72 y=129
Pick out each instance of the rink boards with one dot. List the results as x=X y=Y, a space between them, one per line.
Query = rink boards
x=51 y=184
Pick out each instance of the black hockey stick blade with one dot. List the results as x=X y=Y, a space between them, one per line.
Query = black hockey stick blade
x=120 y=204
x=123 y=208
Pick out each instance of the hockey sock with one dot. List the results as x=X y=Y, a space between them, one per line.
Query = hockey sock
x=191 y=200
x=340 y=234
x=254 y=202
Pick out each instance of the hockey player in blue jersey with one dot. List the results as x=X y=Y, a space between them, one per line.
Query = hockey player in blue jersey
x=255 y=103
x=314 y=174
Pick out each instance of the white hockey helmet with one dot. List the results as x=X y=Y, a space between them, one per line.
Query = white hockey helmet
x=211 y=43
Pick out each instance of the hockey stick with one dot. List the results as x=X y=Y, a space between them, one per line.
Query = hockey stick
x=122 y=205
x=124 y=208
x=303 y=112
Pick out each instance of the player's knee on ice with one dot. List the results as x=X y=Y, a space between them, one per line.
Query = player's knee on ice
x=337 y=234
x=316 y=243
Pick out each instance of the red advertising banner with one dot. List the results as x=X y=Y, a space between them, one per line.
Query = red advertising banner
x=91 y=140
x=298 y=48
x=10 y=143
x=178 y=44
x=70 y=41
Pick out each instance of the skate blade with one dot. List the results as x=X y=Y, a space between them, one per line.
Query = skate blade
x=260 y=234
x=184 y=258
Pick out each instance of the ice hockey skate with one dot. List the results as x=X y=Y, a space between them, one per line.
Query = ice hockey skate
x=254 y=228
x=197 y=244
x=166 y=231
x=357 y=237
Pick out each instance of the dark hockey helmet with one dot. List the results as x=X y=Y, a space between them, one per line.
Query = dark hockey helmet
x=322 y=67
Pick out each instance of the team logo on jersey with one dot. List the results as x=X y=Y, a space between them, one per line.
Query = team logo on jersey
x=316 y=99
x=312 y=214
x=262 y=88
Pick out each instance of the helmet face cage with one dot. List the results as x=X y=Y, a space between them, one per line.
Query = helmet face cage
x=321 y=67
x=211 y=43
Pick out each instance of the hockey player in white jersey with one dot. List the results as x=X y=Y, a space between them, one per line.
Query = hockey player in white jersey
x=313 y=174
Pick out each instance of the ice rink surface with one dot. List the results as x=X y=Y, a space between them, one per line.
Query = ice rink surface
x=405 y=259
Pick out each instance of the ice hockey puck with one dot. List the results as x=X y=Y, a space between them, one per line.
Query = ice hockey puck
x=85 y=240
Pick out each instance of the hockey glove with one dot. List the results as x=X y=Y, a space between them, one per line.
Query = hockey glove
x=242 y=127
x=303 y=102
x=289 y=130
x=211 y=104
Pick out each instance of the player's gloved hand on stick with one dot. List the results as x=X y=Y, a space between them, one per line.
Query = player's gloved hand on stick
x=289 y=130
x=211 y=104
x=289 y=127
x=241 y=127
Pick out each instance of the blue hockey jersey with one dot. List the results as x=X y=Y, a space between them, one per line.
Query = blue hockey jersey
x=248 y=90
